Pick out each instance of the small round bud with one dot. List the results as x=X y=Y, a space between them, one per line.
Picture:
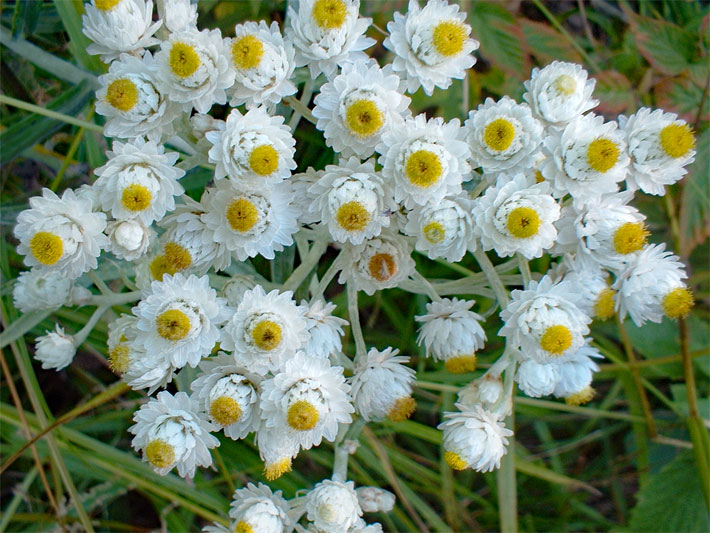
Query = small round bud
x=375 y=500
x=55 y=349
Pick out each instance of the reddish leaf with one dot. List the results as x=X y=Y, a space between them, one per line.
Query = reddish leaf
x=614 y=92
x=667 y=47
x=500 y=37
x=547 y=44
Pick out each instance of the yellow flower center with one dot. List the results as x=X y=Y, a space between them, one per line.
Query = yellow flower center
x=461 y=364
x=243 y=527
x=242 y=215
x=160 y=266
x=539 y=178
x=423 y=168
x=499 y=134
x=302 y=416
x=602 y=154
x=364 y=117
x=276 y=469
x=177 y=257
x=448 y=37
x=382 y=266
x=267 y=335
x=352 y=216
x=184 y=60
x=402 y=409
x=581 y=397
x=264 y=160
x=454 y=461
x=47 y=248
x=119 y=358
x=136 y=197
x=630 y=237
x=523 y=222
x=556 y=340
x=159 y=453
x=604 y=305
x=225 y=410
x=122 y=94
x=677 y=139
x=434 y=232
x=565 y=84
x=678 y=302
x=106 y=5
x=329 y=14
x=173 y=325
x=247 y=52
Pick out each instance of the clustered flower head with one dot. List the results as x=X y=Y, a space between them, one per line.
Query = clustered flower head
x=523 y=179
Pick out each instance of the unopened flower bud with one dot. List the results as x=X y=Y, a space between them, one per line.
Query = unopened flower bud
x=374 y=500
x=55 y=349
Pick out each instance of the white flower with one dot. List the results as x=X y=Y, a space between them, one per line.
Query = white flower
x=229 y=394
x=559 y=92
x=193 y=69
x=452 y=333
x=358 y=106
x=486 y=391
x=586 y=159
x=375 y=499
x=118 y=26
x=253 y=149
x=188 y=242
x=652 y=285
x=277 y=447
x=351 y=200
x=660 y=145
x=574 y=377
x=327 y=34
x=61 y=234
x=138 y=181
x=382 y=386
x=604 y=230
x=537 y=379
x=55 y=349
x=425 y=160
x=235 y=287
x=474 y=438
x=178 y=319
x=132 y=101
x=301 y=183
x=324 y=329
x=379 y=263
x=443 y=229
x=37 y=290
x=333 y=506
x=432 y=45
x=129 y=239
x=597 y=298
x=516 y=217
x=179 y=15
x=308 y=398
x=544 y=321
x=250 y=222
x=265 y=330
x=503 y=135
x=138 y=368
x=169 y=432
x=257 y=508
x=264 y=64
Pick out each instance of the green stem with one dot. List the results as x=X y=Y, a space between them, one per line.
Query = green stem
x=73 y=147
x=427 y=286
x=309 y=262
x=524 y=270
x=20 y=494
x=333 y=269
x=492 y=276
x=340 y=460
x=298 y=107
x=304 y=101
x=594 y=67
x=354 y=314
x=507 y=488
x=14 y=102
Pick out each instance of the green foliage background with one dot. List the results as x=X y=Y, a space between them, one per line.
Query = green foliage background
x=598 y=467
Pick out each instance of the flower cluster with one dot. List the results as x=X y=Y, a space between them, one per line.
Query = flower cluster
x=522 y=179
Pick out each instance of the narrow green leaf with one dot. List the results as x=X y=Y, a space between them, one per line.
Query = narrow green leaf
x=22 y=325
x=70 y=13
x=534 y=470
x=35 y=128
